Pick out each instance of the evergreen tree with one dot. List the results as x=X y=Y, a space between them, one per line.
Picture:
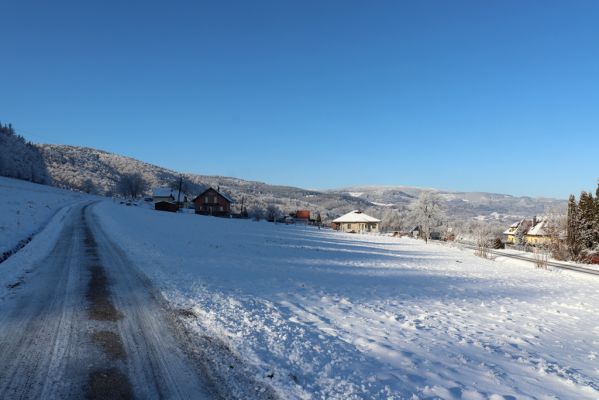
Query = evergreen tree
x=573 y=233
x=586 y=209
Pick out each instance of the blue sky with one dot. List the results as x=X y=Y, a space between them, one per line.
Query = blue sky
x=499 y=96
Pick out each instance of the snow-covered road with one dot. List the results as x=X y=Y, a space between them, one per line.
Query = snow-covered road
x=81 y=322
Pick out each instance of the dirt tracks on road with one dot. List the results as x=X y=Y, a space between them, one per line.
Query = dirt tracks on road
x=88 y=324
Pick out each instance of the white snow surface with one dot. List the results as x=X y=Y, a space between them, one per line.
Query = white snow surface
x=330 y=315
x=27 y=207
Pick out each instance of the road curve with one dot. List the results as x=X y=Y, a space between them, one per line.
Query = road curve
x=86 y=324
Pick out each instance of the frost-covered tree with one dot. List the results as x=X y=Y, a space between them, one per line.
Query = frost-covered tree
x=586 y=208
x=88 y=186
x=428 y=213
x=132 y=185
x=20 y=159
x=483 y=235
x=272 y=212
x=394 y=219
x=574 y=227
x=255 y=212
x=556 y=228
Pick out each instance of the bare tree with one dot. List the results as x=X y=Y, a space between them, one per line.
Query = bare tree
x=184 y=184
x=541 y=257
x=428 y=213
x=256 y=212
x=483 y=236
x=132 y=185
x=88 y=186
x=272 y=212
x=555 y=227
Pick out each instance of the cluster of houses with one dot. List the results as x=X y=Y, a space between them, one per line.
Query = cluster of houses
x=528 y=231
x=209 y=202
x=214 y=202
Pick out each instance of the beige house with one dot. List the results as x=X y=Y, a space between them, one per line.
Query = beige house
x=533 y=231
x=515 y=229
x=356 y=222
x=538 y=235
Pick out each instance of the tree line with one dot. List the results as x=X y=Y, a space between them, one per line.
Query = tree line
x=19 y=158
x=583 y=225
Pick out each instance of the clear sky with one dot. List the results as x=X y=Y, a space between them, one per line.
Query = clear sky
x=499 y=96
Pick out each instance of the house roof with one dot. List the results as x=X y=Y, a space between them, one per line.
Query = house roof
x=162 y=192
x=166 y=192
x=228 y=198
x=539 y=229
x=356 y=216
x=516 y=225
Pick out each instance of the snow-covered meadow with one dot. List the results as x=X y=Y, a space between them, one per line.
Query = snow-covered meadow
x=27 y=207
x=336 y=316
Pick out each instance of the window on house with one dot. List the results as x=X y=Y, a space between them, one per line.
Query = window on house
x=348 y=226
x=206 y=199
x=221 y=208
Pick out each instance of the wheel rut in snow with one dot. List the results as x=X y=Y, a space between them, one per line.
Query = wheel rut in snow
x=108 y=380
x=85 y=323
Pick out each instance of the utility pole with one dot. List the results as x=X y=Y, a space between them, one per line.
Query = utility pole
x=179 y=194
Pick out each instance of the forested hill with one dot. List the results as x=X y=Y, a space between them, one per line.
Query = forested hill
x=98 y=171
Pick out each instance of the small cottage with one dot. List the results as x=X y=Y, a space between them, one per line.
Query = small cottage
x=356 y=222
x=213 y=202
x=168 y=195
x=162 y=194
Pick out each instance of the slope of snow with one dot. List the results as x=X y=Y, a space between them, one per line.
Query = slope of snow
x=29 y=212
x=27 y=207
x=324 y=314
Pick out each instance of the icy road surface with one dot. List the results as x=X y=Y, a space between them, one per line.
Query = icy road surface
x=82 y=323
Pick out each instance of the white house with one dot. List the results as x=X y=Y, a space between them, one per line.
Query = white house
x=356 y=222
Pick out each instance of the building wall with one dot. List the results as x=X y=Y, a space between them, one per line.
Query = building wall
x=537 y=240
x=359 y=227
x=215 y=204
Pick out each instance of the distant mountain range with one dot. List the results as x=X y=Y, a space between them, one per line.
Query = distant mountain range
x=83 y=168
x=479 y=205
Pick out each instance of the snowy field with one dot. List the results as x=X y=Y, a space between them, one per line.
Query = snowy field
x=27 y=207
x=336 y=316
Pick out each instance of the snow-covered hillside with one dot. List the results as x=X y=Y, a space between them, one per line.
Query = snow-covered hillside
x=84 y=168
x=27 y=207
x=328 y=315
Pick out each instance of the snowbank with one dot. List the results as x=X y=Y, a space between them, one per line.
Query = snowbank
x=323 y=314
x=27 y=207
